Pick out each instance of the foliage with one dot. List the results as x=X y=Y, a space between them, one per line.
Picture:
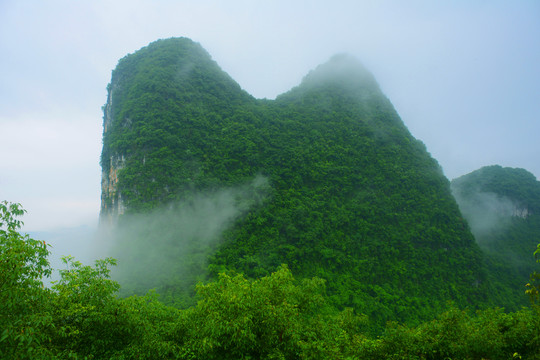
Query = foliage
x=533 y=287
x=23 y=310
x=458 y=334
x=85 y=310
x=533 y=291
x=516 y=184
x=90 y=321
x=274 y=317
x=80 y=317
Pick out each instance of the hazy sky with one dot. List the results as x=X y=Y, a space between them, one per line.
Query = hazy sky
x=464 y=76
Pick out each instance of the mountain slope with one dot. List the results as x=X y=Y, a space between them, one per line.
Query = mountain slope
x=346 y=194
x=502 y=206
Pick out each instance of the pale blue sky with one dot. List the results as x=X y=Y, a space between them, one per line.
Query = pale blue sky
x=463 y=75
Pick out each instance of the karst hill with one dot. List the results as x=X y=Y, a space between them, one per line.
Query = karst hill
x=326 y=178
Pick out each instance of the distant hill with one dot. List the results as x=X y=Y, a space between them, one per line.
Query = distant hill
x=326 y=178
x=502 y=206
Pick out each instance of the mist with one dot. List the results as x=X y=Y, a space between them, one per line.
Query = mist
x=168 y=248
x=486 y=213
x=78 y=242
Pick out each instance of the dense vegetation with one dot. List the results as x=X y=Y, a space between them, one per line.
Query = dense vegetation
x=273 y=317
x=351 y=196
x=502 y=205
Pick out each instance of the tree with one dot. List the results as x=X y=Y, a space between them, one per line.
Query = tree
x=533 y=290
x=274 y=317
x=533 y=287
x=92 y=321
x=23 y=312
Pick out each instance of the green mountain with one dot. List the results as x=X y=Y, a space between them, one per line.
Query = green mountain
x=502 y=206
x=325 y=178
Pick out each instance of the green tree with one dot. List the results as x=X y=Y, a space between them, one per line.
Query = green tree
x=24 y=301
x=533 y=287
x=533 y=290
x=84 y=309
x=274 y=317
x=91 y=321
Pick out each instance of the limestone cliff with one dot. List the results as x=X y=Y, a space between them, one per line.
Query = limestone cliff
x=111 y=198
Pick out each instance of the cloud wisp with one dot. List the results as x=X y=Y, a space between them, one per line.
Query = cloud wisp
x=173 y=242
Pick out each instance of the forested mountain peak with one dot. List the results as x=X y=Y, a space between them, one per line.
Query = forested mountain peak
x=189 y=62
x=515 y=184
x=342 y=75
x=326 y=178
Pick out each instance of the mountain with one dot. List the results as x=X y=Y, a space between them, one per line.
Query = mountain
x=502 y=206
x=163 y=103
x=325 y=178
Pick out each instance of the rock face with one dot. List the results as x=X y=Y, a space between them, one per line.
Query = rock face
x=111 y=198
x=353 y=197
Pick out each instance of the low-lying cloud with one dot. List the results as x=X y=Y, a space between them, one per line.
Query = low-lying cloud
x=168 y=248
x=485 y=212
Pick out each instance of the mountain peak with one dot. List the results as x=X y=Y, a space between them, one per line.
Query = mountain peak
x=341 y=69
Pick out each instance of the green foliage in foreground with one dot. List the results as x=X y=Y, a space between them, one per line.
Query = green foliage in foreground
x=274 y=317
x=23 y=261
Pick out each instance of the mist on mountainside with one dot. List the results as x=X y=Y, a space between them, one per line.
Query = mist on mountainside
x=486 y=213
x=492 y=197
x=167 y=248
